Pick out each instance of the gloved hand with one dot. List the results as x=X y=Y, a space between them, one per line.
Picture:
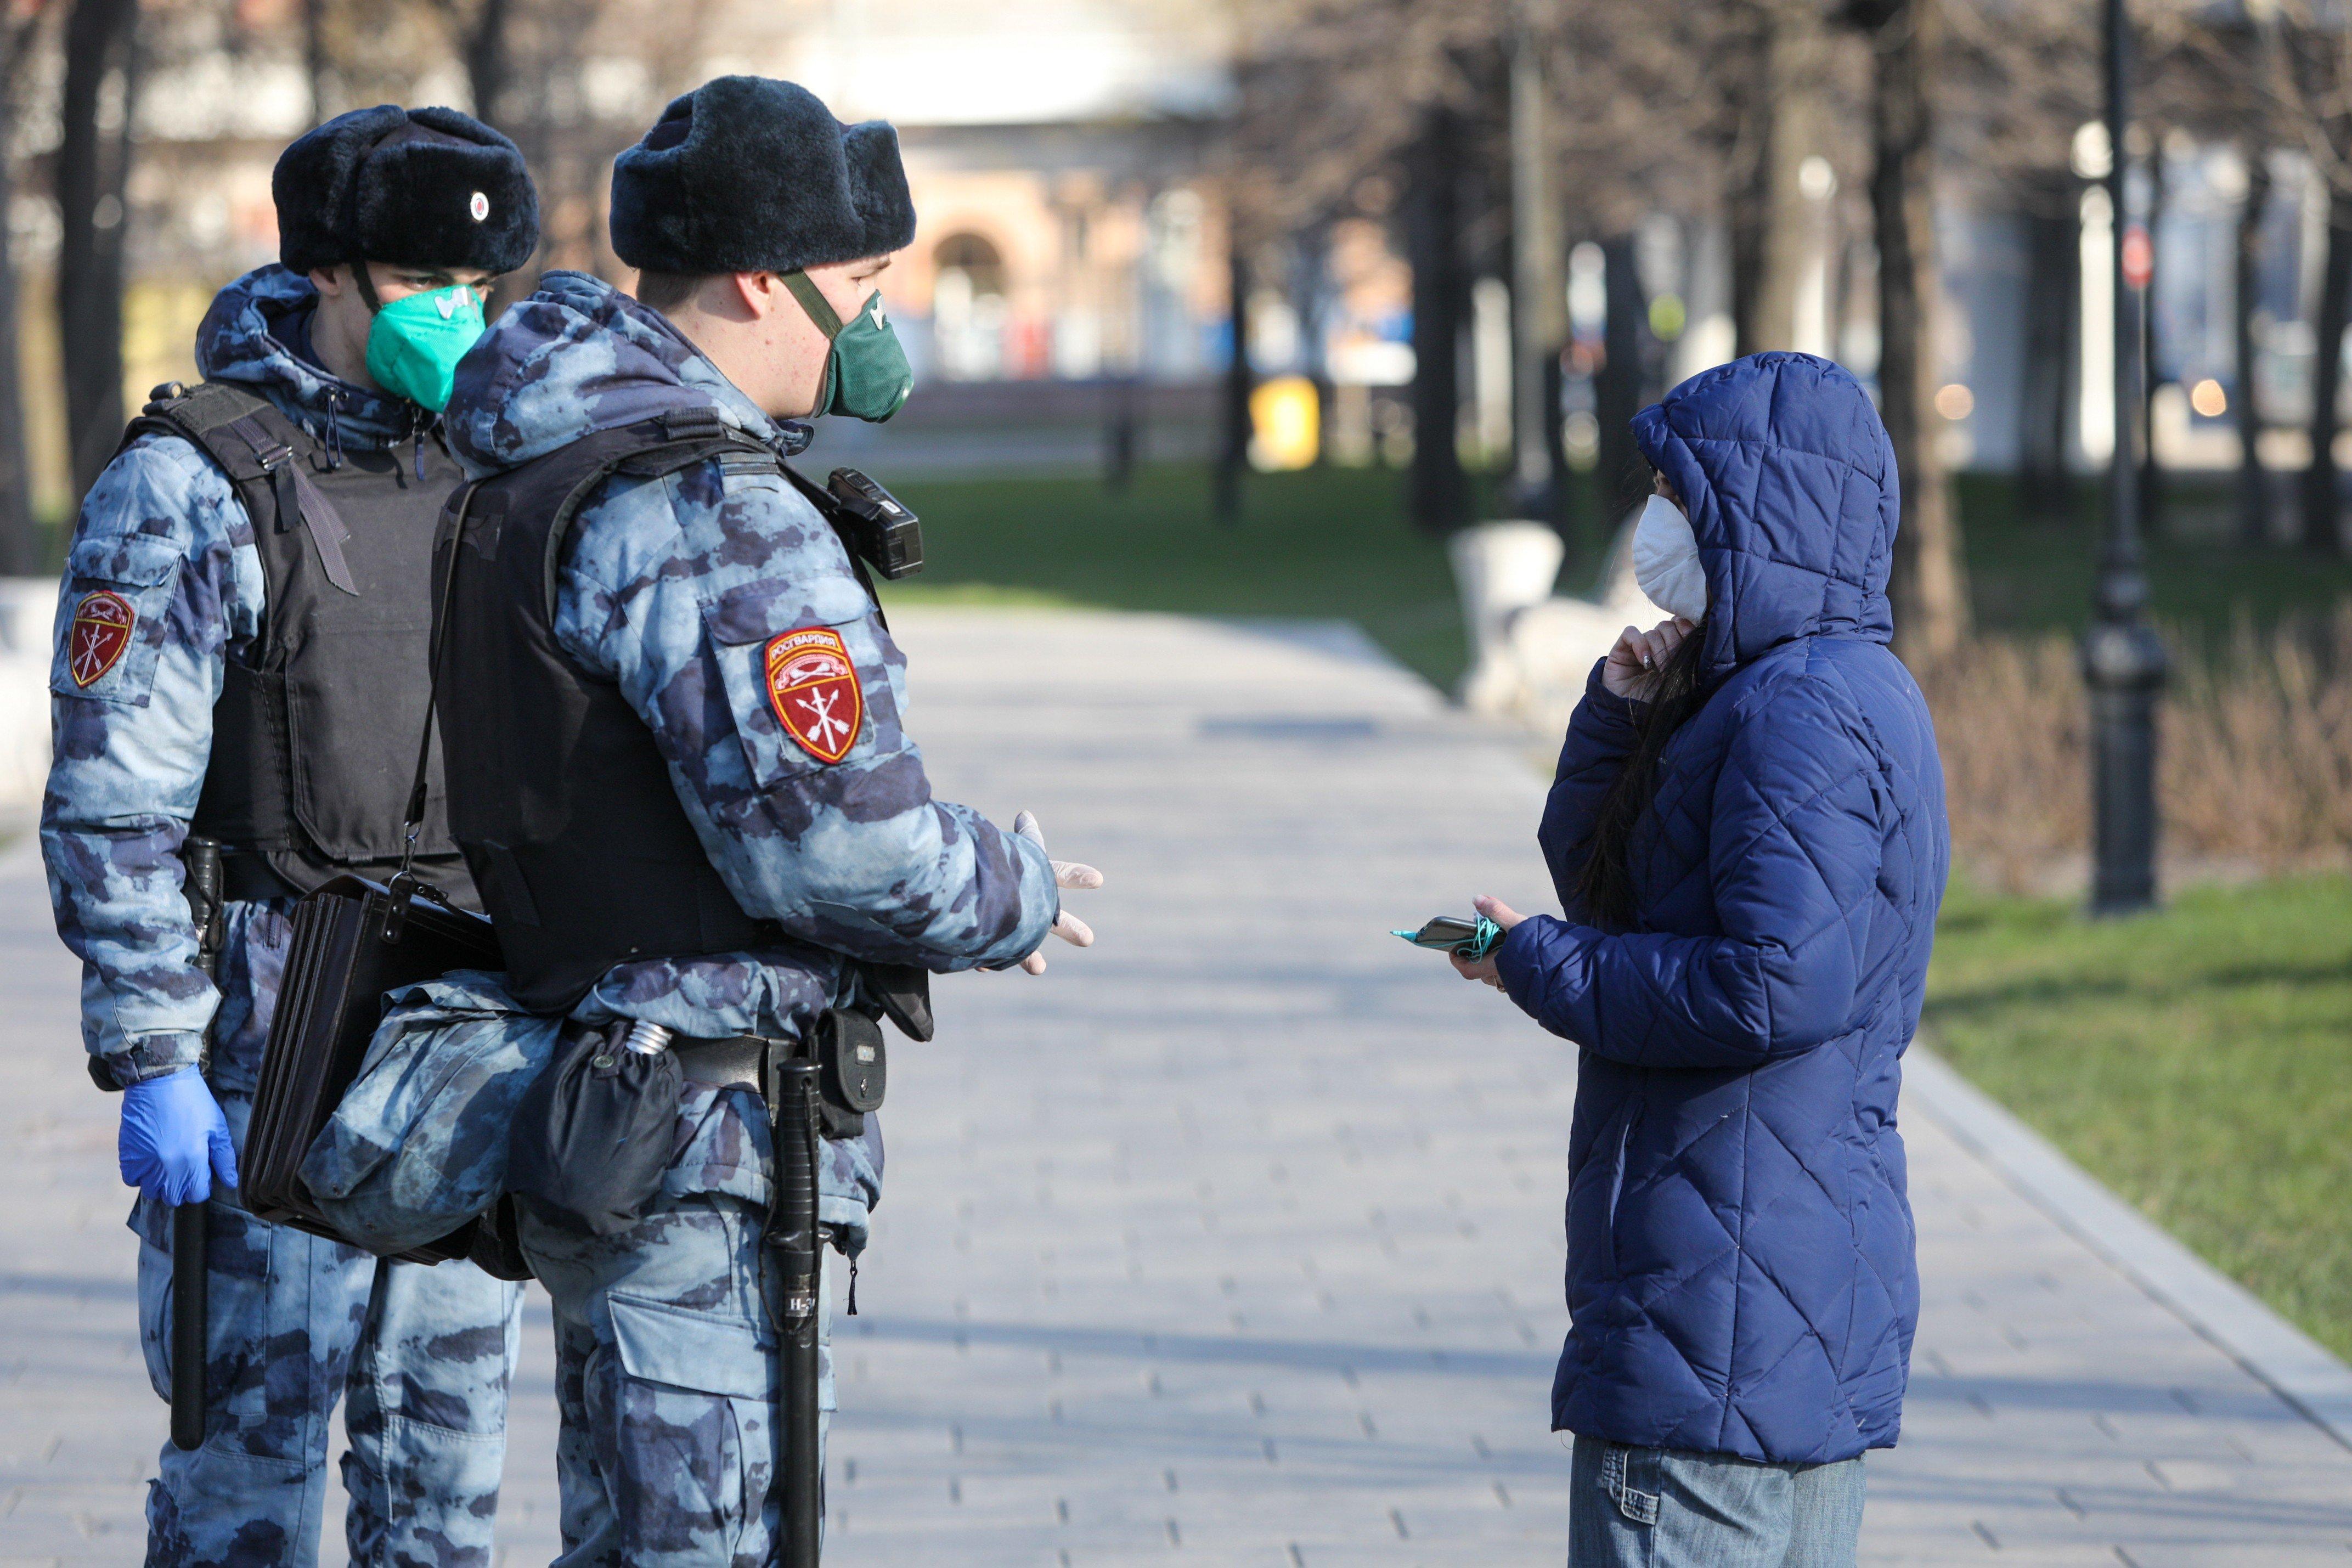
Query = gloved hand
x=1066 y=874
x=174 y=1140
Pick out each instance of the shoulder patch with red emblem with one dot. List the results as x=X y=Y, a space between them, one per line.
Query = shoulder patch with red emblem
x=813 y=688
x=102 y=624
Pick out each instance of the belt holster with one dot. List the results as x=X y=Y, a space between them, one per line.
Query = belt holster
x=852 y=1069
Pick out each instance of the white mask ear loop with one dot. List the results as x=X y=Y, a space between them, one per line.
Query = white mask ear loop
x=1667 y=563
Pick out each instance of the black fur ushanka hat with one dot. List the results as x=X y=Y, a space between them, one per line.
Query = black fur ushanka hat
x=750 y=175
x=423 y=188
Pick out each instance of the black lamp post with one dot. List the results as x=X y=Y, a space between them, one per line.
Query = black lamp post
x=2123 y=661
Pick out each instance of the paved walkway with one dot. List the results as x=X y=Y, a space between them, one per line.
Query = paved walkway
x=1237 y=1238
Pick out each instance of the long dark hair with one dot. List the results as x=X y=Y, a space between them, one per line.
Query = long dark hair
x=1605 y=885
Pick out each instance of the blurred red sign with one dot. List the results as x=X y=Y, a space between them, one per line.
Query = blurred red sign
x=2140 y=257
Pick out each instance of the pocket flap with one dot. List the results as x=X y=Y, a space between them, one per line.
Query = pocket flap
x=135 y=560
x=662 y=1344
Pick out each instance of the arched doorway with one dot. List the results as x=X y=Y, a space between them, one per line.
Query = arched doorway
x=968 y=308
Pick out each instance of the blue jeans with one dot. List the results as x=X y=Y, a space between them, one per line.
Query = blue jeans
x=1648 y=1508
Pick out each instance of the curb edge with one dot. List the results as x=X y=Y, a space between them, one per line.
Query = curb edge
x=2290 y=1363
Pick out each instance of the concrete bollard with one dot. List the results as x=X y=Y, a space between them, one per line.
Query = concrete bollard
x=28 y=607
x=1499 y=569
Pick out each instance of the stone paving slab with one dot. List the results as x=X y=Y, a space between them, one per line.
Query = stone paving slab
x=1236 y=1240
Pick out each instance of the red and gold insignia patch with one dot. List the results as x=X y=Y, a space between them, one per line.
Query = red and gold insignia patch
x=813 y=686
x=102 y=624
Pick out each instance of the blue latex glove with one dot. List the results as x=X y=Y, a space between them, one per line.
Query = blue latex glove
x=174 y=1140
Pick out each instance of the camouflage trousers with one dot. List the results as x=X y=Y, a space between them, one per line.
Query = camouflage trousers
x=426 y=1355
x=666 y=1364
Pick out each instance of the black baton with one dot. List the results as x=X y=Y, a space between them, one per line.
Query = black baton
x=191 y=1312
x=794 y=1237
x=191 y=1254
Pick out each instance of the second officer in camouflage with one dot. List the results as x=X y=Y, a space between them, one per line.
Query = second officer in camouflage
x=678 y=763
x=240 y=657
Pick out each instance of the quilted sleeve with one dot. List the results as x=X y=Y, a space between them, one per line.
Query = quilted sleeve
x=1794 y=851
x=1602 y=734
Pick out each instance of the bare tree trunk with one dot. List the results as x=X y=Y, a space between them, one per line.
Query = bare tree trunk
x=1792 y=133
x=20 y=538
x=1539 y=307
x=1931 y=603
x=1617 y=389
x=1311 y=299
x=1440 y=494
x=92 y=166
x=314 y=57
x=2253 y=480
x=1232 y=454
x=1748 y=194
x=1744 y=217
x=2151 y=470
x=2054 y=296
x=20 y=543
x=2321 y=500
x=490 y=59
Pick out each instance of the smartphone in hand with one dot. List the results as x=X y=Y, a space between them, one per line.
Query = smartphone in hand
x=1464 y=936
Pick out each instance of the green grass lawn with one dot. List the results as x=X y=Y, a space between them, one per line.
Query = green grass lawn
x=1337 y=542
x=2197 y=1060
x=1328 y=544
x=2030 y=570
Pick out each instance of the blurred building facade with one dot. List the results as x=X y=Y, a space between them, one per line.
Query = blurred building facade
x=1064 y=156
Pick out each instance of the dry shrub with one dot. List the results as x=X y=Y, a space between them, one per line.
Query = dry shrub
x=2254 y=754
x=2012 y=728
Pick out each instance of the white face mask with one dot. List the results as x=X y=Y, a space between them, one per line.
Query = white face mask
x=1666 y=560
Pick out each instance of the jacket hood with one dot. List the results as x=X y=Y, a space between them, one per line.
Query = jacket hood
x=247 y=337
x=1789 y=478
x=577 y=357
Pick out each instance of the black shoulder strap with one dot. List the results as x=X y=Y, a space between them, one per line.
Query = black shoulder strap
x=405 y=883
x=198 y=414
x=251 y=442
x=651 y=448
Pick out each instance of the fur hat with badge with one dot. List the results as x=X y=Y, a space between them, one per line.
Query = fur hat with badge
x=746 y=174
x=423 y=188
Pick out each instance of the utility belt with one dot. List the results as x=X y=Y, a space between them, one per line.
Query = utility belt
x=853 y=1066
x=592 y=1133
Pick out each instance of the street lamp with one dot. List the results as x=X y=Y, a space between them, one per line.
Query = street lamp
x=2123 y=661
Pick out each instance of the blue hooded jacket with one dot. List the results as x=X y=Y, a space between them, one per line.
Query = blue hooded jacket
x=1740 y=1270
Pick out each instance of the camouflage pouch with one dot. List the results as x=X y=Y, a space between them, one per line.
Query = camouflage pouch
x=418 y=1145
x=593 y=1133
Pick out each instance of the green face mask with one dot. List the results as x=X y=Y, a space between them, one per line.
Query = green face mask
x=866 y=375
x=414 y=343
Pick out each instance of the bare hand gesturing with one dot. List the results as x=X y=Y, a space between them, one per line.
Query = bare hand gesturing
x=1066 y=874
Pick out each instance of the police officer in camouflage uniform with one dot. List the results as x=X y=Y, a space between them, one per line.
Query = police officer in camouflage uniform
x=678 y=765
x=241 y=658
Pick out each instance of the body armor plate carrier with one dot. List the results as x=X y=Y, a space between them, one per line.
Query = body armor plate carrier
x=314 y=731
x=559 y=795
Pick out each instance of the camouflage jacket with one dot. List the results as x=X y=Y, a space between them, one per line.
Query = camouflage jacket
x=162 y=532
x=677 y=590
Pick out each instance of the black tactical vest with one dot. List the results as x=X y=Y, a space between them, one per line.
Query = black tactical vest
x=315 y=733
x=557 y=795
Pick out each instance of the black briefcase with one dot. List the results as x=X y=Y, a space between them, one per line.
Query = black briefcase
x=354 y=942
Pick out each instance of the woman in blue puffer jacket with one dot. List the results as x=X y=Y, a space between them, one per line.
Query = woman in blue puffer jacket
x=1748 y=836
